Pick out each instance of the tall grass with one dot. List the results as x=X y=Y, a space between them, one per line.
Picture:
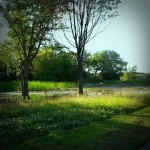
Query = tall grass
x=9 y=86
x=44 y=86
x=35 y=86
x=136 y=82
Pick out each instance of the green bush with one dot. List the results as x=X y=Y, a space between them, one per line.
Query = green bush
x=127 y=76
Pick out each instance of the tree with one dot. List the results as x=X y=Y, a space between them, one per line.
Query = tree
x=129 y=74
x=28 y=23
x=109 y=63
x=67 y=62
x=8 y=61
x=46 y=66
x=84 y=16
x=54 y=65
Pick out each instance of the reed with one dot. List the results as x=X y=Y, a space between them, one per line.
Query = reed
x=35 y=86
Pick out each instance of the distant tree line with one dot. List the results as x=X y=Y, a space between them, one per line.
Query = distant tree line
x=55 y=63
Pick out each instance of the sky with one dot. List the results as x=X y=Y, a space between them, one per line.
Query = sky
x=128 y=34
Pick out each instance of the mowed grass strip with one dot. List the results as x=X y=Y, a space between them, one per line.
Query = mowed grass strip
x=73 y=120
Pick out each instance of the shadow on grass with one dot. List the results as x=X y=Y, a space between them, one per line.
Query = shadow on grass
x=119 y=132
x=66 y=126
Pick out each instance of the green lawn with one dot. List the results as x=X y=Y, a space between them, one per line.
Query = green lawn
x=109 y=122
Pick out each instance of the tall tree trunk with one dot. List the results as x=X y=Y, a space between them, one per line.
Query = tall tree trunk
x=95 y=72
x=80 y=78
x=24 y=80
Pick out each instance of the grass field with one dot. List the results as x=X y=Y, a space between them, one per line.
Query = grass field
x=113 y=121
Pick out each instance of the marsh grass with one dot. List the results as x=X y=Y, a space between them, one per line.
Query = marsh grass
x=45 y=86
x=35 y=86
x=9 y=86
x=135 y=82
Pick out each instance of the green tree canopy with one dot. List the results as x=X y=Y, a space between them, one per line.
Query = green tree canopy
x=8 y=61
x=54 y=65
x=109 y=63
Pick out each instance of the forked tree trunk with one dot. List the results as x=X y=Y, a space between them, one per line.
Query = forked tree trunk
x=24 y=80
x=95 y=72
x=80 y=78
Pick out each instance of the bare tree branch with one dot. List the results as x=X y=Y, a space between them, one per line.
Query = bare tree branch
x=84 y=16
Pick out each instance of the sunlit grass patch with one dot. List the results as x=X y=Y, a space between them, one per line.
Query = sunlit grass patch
x=44 y=86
